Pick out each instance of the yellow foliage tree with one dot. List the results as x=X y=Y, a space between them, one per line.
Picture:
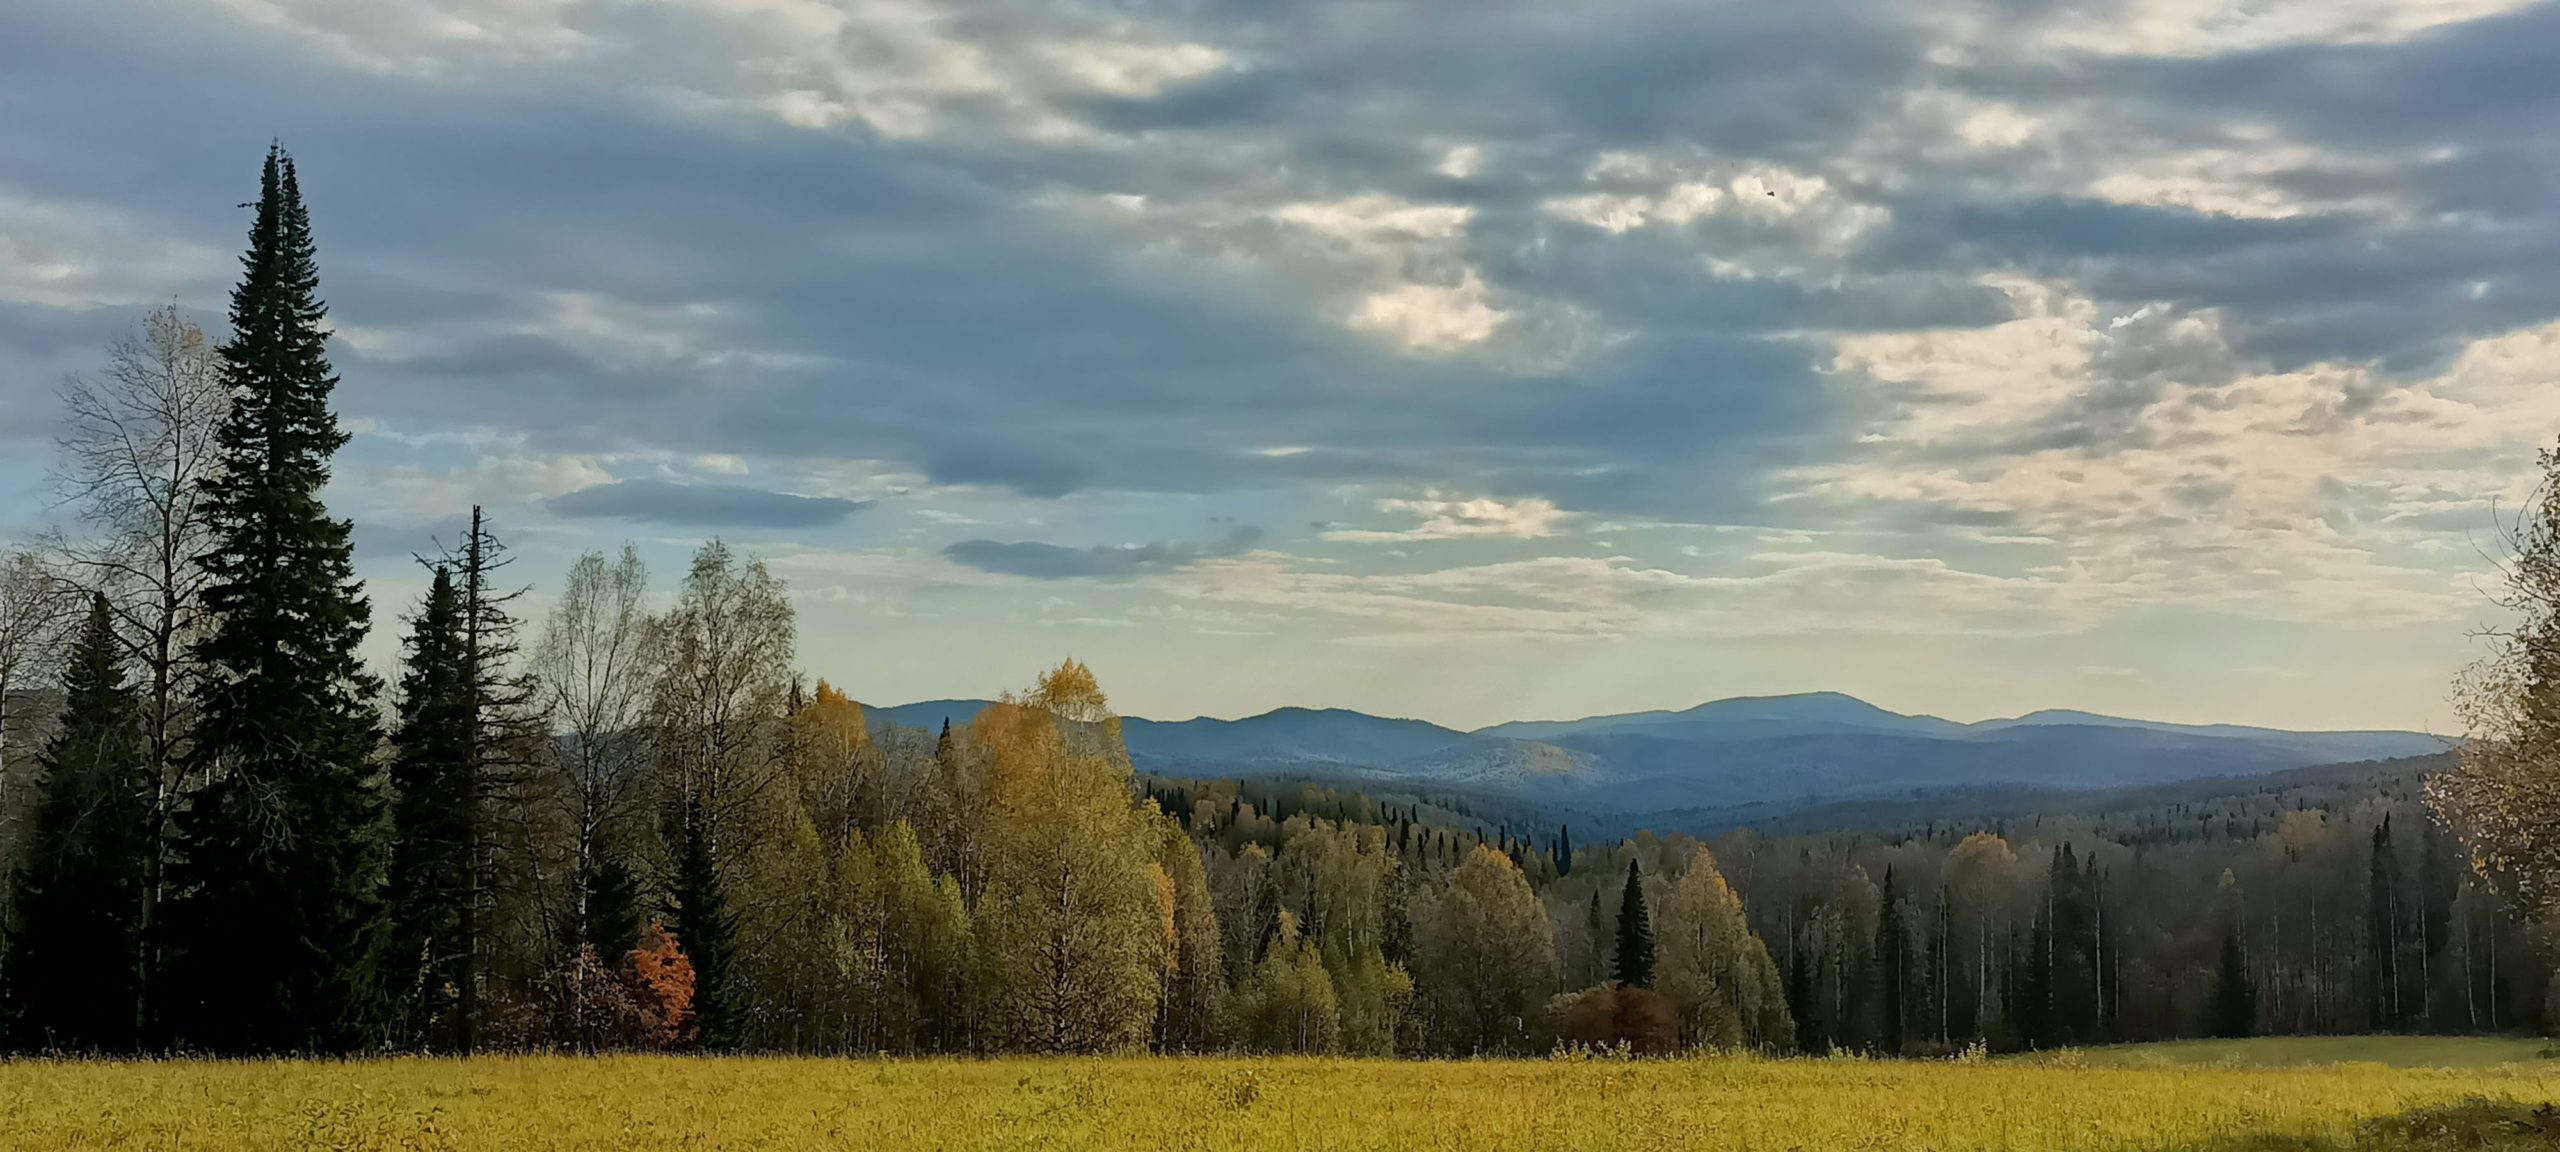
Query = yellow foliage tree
x=1071 y=926
x=1485 y=957
x=832 y=764
x=1715 y=972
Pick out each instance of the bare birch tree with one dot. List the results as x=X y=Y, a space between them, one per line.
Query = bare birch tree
x=595 y=673
x=139 y=443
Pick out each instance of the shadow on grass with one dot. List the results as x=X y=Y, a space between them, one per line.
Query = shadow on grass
x=2478 y=1123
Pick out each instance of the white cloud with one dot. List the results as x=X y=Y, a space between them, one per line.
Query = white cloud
x=2197 y=482
x=432 y=38
x=1642 y=190
x=2246 y=179
x=2217 y=27
x=505 y=475
x=1430 y=317
x=1445 y=519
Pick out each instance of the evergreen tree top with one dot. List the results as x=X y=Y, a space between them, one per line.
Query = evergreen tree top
x=1634 y=965
x=95 y=670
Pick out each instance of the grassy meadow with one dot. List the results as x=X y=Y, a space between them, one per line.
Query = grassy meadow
x=518 y=1104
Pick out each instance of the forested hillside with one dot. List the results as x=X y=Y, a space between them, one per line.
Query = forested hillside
x=2325 y=900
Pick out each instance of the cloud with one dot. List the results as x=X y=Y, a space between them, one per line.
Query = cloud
x=701 y=505
x=1443 y=519
x=2156 y=304
x=1039 y=561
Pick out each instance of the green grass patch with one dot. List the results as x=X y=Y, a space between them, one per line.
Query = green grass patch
x=2294 y=1051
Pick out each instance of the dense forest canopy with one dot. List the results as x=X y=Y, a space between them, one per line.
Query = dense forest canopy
x=632 y=824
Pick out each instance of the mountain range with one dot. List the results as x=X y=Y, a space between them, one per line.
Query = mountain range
x=1723 y=761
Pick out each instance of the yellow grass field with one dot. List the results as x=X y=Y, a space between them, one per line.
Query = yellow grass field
x=518 y=1104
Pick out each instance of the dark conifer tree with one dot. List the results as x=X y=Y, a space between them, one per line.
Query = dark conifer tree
x=1395 y=936
x=1635 y=934
x=498 y=734
x=1266 y=916
x=2031 y=981
x=613 y=921
x=420 y=972
x=2235 y=1002
x=2382 y=929
x=705 y=929
x=1564 y=850
x=74 y=961
x=1892 y=969
x=280 y=901
x=1802 y=1004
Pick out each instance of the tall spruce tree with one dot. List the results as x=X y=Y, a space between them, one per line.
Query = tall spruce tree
x=1635 y=934
x=74 y=960
x=421 y=968
x=2235 y=1001
x=498 y=729
x=1564 y=850
x=613 y=922
x=705 y=929
x=1892 y=968
x=283 y=843
x=2382 y=929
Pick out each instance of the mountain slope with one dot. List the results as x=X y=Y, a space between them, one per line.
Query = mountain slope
x=1762 y=754
x=925 y=714
x=1768 y=715
x=1283 y=736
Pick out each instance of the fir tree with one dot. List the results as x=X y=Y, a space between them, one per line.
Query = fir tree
x=2382 y=929
x=1266 y=915
x=430 y=810
x=1635 y=934
x=699 y=914
x=2235 y=1004
x=1395 y=937
x=495 y=730
x=613 y=921
x=1801 y=1002
x=74 y=961
x=1564 y=850
x=1892 y=968
x=282 y=844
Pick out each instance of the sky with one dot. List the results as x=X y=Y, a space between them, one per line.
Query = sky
x=1498 y=360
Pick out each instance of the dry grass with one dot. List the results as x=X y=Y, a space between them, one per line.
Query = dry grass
x=517 y=1104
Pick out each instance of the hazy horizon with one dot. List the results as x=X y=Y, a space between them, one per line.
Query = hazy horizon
x=1971 y=360
x=886 y=704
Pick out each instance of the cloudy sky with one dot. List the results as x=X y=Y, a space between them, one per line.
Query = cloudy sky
x=1476 y=361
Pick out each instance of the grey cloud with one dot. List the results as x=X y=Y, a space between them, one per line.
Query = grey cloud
x=1040 y=561
x=1029 y=468
x=926 y=304
x=702 y=505
x=376 y=542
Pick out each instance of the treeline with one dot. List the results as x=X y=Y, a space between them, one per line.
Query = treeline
x=2321 y=904
x=2328 y=900
x=632 y=826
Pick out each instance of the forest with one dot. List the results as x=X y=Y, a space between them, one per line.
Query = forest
x=630 y=824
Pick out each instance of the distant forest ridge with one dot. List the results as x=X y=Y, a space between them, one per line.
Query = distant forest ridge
x=1741 y=761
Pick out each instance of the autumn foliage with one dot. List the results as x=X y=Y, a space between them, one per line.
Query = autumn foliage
x=663 y=978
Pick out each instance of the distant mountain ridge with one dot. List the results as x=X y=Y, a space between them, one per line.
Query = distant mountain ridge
x=1764 y=753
